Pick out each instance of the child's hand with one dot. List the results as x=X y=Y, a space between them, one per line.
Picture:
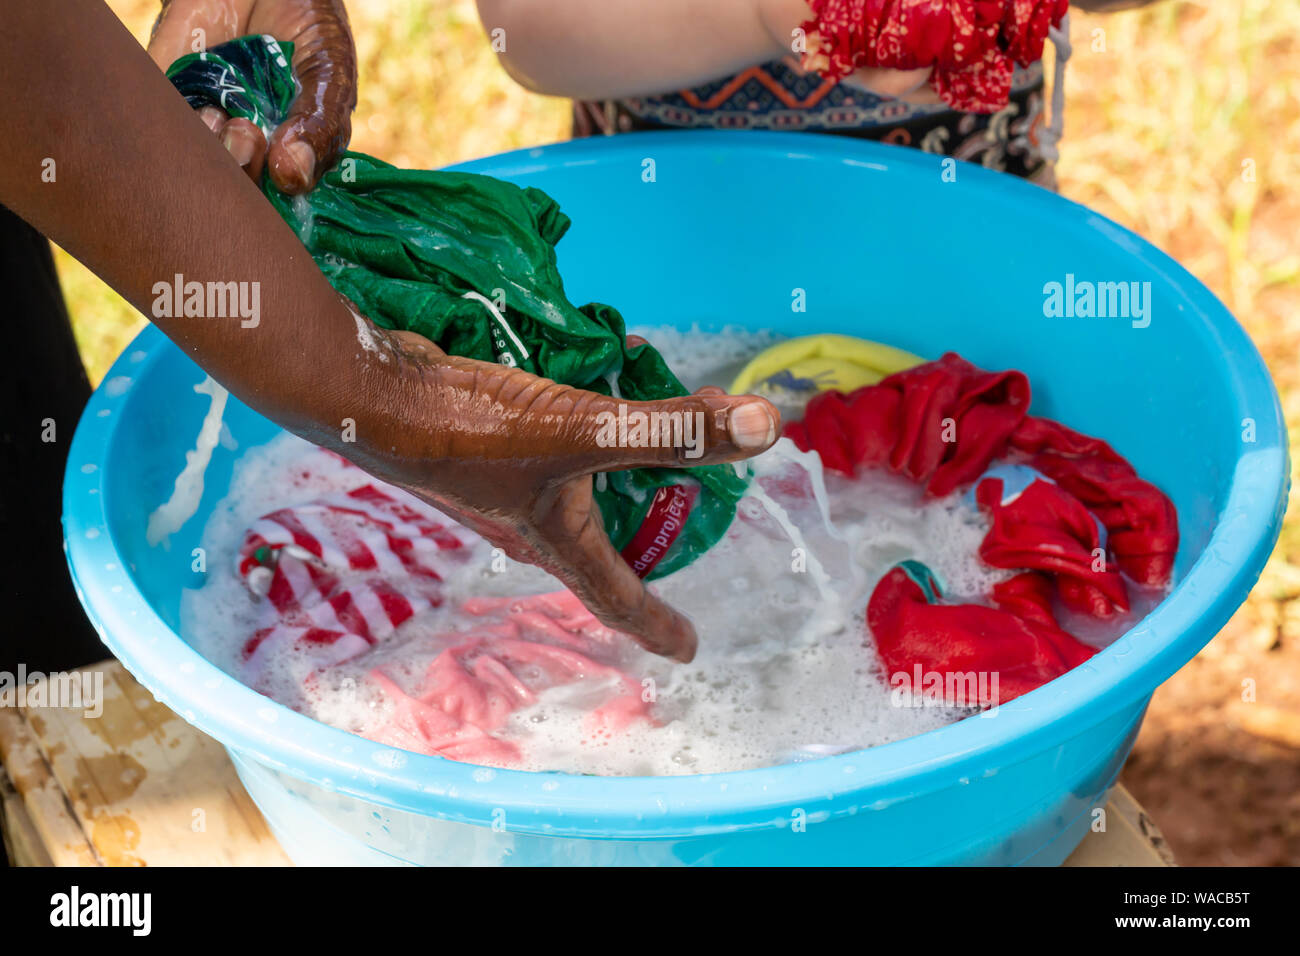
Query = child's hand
x=319 y=123
x=912 y=86
x=511 y=456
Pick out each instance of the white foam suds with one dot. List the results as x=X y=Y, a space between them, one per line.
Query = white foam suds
x=707 y=358
x=168 y=517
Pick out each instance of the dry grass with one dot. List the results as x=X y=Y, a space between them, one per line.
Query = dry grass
x=1165 y=119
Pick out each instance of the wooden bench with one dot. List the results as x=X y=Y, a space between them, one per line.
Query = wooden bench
x=138 y=786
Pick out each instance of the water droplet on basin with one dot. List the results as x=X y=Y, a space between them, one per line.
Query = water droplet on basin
x=392 y=759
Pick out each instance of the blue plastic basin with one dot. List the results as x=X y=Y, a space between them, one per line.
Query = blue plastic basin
x=724 y=232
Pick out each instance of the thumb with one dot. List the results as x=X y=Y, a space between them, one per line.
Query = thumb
x=316 y=131
x=507 y=414
x=609 y=434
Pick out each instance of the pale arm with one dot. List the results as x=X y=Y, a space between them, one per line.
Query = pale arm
x=609 y=49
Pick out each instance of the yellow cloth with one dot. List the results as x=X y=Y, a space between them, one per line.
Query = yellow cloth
x=799 y=368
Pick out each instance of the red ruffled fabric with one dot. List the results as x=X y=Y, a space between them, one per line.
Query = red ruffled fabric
x=973 y=45
x=1047 y=529
x=942 y=424
x=1140 y=521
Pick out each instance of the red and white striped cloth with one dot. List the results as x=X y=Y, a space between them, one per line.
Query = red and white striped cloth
x=340 y=573
x=393 y=546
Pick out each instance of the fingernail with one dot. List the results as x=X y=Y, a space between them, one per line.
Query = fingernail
x=239 y=147
x=303 y=159
x=752 y=426
x=212 y=117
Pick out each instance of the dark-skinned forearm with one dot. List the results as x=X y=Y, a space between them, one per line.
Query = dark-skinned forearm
x=140 y=191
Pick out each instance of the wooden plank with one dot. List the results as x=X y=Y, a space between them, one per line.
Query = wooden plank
x=138 y=786
x=22 y=842
x=145 y=787
x=43 y=798
x=1130 y=838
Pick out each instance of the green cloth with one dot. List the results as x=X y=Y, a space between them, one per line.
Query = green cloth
x=407 y=245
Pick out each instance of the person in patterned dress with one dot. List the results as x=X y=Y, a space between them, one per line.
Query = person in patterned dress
x=735 y=65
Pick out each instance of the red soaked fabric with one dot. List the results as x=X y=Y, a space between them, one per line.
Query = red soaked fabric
x=1141 y=522
x=973 y=45
x=939 y=424
x=1047 y=529
x=1016 y=652
x=942 y=424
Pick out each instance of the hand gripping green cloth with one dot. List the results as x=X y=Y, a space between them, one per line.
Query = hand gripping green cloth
x=468 y=261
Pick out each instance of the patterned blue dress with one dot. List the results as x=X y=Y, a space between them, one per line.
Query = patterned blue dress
x=781 y=96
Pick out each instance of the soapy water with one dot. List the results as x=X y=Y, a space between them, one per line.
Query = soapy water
x=786 y=670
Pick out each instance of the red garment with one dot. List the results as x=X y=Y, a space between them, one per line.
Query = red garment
x=942 y=424
x=1047 y=529
x=356 y=530
x=1141 y=522
x=939 y=424
x=973 y=45
x=1016 y=651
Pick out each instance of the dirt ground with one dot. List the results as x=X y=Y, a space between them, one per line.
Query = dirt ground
x=1221 y=776
x=1183 y=123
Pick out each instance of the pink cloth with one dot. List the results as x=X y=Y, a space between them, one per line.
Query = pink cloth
x=471 y=689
